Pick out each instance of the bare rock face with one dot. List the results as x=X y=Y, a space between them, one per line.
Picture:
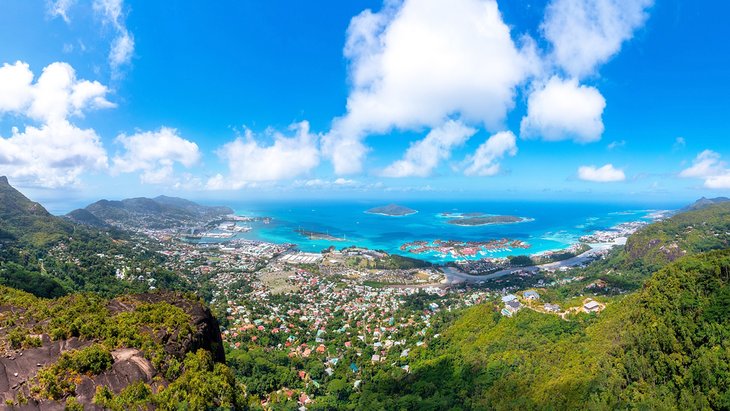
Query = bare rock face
x=18 y=368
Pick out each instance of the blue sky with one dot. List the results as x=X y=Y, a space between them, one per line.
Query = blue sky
x=576 y=99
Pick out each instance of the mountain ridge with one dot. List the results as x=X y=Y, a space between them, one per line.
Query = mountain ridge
x=161 y=212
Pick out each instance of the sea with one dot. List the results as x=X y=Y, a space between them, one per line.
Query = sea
x=548 y=226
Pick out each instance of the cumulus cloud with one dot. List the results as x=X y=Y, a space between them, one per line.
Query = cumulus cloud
x=424 y=156
x=415 y=64
x=56 y=94
x=585 y=34
x=485 y=161
x=56 y=152
x=605 y=174
x=250 y=161
x=16 y=90
x=708 y=165
x=52 y=155
x=155 y=153
x=563 y=110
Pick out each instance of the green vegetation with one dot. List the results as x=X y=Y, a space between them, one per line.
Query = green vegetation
x=58 y=380
x=195 y=380
x=664 y=347
x=485 y=220
x=51 y=256
x=520 y=261
x=204 y=385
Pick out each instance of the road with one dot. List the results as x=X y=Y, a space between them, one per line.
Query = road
x=455 y=276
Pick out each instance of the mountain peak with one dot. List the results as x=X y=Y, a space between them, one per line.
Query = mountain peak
x=4 y=181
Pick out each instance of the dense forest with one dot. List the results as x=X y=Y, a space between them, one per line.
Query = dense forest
x=664 y=347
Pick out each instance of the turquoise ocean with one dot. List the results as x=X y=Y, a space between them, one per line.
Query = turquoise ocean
x=551 y=225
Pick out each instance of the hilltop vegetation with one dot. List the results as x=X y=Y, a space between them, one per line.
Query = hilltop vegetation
x=139 y=350
x=661 y=348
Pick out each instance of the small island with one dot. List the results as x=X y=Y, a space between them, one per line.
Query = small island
x=480 y=219
x=315 y=235
x=392 y=210
x=486 y=220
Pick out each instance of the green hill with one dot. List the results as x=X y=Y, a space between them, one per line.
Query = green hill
x=664 y=347
x=658 y=244
x=50 y=256
x=159 y=212
x=24 y=220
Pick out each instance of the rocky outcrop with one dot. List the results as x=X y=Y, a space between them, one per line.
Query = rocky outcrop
x=206 y=332
x=18 y=368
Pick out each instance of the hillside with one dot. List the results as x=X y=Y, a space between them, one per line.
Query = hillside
x=705 y=202
x=26 y=221
x=51 y=256
x=661 y=348
x=159 y=350
x=83 y=216
x=660 y=243
x=155 y=213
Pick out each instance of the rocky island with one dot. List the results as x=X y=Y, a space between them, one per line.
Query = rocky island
x=392 y=210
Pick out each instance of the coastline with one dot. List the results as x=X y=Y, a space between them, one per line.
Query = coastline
x=553 y=229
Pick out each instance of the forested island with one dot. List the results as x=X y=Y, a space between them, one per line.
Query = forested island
x=479 y=219
x=392 y=210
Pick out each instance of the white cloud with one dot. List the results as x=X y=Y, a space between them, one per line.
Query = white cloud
x=485 y=161
x=249 y=161
x=563 y=110
x=122 y=48
x=616 y=144
x=155 y=153
x=605 y=174
x=709 y=166
x=56 y=152
x=679 y=143
x=60 y=8
x=110 y=13
x=706 y=164
x=424 y=156
x=338 y=183
x=585 y=34
x=721 y=181
x=58 y=94
x=16 y=90
x=53 y=155
x=419 y=62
